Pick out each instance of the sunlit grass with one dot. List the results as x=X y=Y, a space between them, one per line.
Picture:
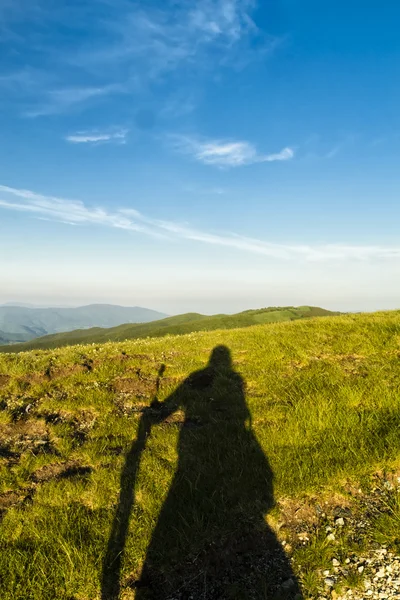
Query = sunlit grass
x=324 y=401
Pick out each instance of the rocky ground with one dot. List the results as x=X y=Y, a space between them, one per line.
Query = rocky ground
x=380 y=576
x=356 y=537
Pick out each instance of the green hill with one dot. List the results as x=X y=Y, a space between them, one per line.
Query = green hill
x=21 y=323
x=177 y=325
x=258 y=463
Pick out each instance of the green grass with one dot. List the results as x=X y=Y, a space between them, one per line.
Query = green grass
x=321 y=416
x=177 y=325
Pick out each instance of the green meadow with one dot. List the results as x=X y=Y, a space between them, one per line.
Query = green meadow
x=201 y=465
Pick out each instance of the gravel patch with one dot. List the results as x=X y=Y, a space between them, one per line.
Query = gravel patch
x=380 y=571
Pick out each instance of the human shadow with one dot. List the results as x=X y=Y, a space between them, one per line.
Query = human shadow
x=211 y=540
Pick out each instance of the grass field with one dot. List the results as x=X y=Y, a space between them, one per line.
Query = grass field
x=177 y=325
x=133 y=469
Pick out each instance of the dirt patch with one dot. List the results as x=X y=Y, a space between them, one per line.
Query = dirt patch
x=82 y=422
x=4 y=380
x=137 y=386
x=34 y=378
x=54 y=417
x=9 y=499
x=61 y=471
x=66 y=371
x=127 y=406
x=31 y=435
x=294 y=514
x=52 y=372
x=65 y=470
x=124 y=356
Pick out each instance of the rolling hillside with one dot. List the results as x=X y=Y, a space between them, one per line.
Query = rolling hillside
x=20 y=323
x=251 y=464
x=177 y=325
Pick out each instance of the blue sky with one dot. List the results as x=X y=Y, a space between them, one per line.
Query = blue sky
x=209 y=155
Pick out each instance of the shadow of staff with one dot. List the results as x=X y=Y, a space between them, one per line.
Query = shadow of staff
x=211 y=540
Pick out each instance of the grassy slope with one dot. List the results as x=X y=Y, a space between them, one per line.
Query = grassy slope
x=325 y=407
x=178 y=325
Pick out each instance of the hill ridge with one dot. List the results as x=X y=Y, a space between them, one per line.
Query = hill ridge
x=22 y=324
x=178 y=325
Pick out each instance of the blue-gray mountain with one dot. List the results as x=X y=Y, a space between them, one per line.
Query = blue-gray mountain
x=21 y=324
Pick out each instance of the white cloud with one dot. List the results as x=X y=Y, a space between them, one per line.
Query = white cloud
x=96 y=137
x=226 y=153
x=76 y=212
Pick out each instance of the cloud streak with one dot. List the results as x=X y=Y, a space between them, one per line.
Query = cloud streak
x=75 y=212
x=97 y=137
x=226 y=153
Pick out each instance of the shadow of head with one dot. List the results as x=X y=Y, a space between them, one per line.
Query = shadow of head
x=220 y=358
x=220 y=362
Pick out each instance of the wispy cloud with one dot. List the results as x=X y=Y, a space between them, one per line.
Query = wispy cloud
x=131 y=45
x=76 y=212
x=64 y=210
x=158 y=41
x=60 y=100
x=318 y=148
x=97 y=137
x=226 y=153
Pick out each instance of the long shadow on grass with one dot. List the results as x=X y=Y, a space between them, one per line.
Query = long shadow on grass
x=211 y=540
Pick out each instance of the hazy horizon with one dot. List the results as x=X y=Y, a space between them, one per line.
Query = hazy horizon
x=177 y=307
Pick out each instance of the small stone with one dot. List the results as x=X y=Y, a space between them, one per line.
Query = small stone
x=335 y=562
x=360 y=569
x=331 y=537
x=289 y=584
x=339 y=522
x=329 y=581
x=380 y=573
x=326 y=573
x=347 y=561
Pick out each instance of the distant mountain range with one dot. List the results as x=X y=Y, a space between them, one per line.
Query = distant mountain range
x=22 y=323
x=177 y=325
